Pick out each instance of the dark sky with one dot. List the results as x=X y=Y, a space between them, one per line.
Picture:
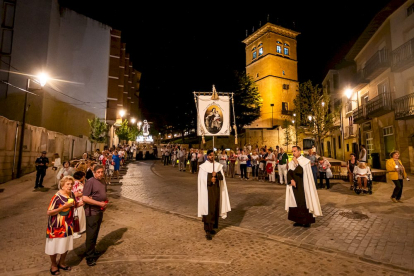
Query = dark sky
x=184 y=48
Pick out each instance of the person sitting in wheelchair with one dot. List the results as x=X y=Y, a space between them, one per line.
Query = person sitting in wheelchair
x=362 y=172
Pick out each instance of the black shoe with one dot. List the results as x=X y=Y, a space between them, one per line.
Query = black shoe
x=90 y=262
x=35 y=187
x=213 y=232
x=307 y=225
x=296 y=224
x=41 y=186
x=209 y=237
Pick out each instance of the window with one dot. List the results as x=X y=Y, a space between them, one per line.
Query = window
x=286 y=86
x=347 y=147
x=260 y=44
x=278 y=49
x=389 y=140
x=261 y=51
x=410 y=10
x=254 y=55
x=254 y=48
x=6 y=41
x=257 y=75
x=278 y=42
x=286 y=44
x=8 y=15
x=285 y=107
x=339 y=142
x=369 y=143
x=283 y=72
x=286 y=51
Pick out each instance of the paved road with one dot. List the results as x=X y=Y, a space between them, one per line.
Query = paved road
x=370 y=226
x=140 y=240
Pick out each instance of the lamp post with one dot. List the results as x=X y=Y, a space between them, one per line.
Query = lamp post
x=41 y=79
x=272 y=105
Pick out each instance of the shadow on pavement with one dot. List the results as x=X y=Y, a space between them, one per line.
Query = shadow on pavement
x=112 y=239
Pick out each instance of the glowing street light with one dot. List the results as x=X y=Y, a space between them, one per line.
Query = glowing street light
x=348 y=93
x=133 y=120
x=42 y=78
x=294 y=114
x=293 y=121
x=323 y=104
x=122 y=113
x=310 y=118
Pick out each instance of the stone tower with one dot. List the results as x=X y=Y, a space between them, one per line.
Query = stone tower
x=271 y=59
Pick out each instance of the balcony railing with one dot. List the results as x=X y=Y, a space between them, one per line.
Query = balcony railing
x=360 y=114
x=404 y=107
x=350 y=131
x=403 y=56
x=380 y=105
x=377 y=64
x=287 y=112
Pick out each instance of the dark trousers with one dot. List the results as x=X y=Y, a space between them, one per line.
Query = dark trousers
x=398 y=189
x=315 y=174
x=322 y=176
x=40 y=174
x=93 y=224
x=255 y=170
x=193 y=166
x=166 y=160
x=243 y=170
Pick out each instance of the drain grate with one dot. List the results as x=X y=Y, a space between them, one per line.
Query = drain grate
x=354 y=215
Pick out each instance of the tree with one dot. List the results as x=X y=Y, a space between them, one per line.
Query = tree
x=313 y=109
x=123 y=131
x=133 y=133
x=247 y=100
x=288 y=135
x=98 y=130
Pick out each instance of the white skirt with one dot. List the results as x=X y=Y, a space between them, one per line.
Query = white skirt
x=58 y=245
x=80 y=211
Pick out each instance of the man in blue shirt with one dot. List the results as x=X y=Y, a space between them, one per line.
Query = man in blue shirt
x=41 y=165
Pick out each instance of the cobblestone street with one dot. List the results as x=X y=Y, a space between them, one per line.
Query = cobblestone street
x=150 y=229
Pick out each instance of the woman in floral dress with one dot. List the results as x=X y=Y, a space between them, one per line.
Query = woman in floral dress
x=59 y=231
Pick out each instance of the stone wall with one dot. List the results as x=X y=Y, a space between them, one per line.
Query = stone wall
x=36 y=140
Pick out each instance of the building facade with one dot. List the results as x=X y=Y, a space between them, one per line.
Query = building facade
x=378 y=96
x=271 y=60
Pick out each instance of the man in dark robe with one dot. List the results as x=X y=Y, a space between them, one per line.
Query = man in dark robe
x=212 y=184
x=302 y=200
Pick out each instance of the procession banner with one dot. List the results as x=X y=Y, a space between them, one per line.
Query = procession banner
x=214 y=116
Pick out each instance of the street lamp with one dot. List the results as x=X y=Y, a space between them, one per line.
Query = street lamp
x=323 y=104
x=122 y=113
x=42 y=78
x=348 y=93
x=133 y=120
x=272 y=105
x=310 y=118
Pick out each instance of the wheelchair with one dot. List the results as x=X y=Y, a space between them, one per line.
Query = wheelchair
x=356 y=188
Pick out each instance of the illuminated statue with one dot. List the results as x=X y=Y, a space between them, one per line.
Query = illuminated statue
x=145 y=128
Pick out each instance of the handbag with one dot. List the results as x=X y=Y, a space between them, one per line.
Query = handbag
x=76 y=226
x=329 y=173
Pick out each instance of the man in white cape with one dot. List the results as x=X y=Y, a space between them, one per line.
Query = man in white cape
x=302 y=201
x=213 y=198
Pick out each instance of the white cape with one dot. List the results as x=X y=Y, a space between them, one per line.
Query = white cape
x=206 y=168
x=311 y=195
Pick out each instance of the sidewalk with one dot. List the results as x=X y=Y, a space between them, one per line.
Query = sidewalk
x=140 y=240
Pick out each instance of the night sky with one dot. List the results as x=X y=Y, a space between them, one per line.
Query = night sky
x=184 y=48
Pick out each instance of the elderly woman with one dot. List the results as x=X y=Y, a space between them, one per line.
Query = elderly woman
x=67 y=170
x=362 y=171
x=396 y=173
x=59 y=231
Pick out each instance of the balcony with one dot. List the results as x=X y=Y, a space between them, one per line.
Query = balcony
x=380 y=105
x=360 y=114
x=377 y=64
x=360 y=81
x=287 y=112
x=403 y=56
x=350 y=131
x=404 y=107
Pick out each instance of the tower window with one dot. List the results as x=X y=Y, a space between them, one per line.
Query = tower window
x=278 y=49
x=254 y=55
x=257 y=75
x=254 y=49
x=278 y=42
x=261 y=51
x=286 y=51
x=286 y=44
x=286 y=86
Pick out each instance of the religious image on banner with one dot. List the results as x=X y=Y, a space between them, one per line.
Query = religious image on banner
x=214 y=116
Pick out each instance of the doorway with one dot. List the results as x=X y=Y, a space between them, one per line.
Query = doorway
x=334 y=147
x=328 y=144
